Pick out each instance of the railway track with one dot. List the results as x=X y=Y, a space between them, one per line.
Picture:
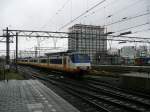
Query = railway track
x=104 y=84
x=138 y=99
x=102 y=98
x=107 y=95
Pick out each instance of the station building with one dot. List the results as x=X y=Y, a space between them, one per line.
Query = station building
x=88 y=39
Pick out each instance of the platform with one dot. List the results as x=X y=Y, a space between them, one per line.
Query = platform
x=30 y=96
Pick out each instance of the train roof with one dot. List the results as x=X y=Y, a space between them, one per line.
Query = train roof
x=60 y=53
x=40 y=57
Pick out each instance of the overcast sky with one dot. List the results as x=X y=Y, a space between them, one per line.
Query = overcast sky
x=52 y=14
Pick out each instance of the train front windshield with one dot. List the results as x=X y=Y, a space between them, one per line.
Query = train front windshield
x=80 y=58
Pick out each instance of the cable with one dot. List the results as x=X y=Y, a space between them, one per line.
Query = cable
x=127 y=7
x=130 y=37
x=132 y=27
x=82 y=14
x=56 y=13
x=110 y=15
x=128 y=18
x=139 y=31
x=94 y=12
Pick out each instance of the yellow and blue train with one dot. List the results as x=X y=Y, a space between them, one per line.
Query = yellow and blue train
x=73 y=63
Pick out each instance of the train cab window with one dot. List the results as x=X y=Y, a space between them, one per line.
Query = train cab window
x=83 y=58
x=80 y=58
x=72 y=58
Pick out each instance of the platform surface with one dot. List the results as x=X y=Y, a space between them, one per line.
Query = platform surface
x=30 y=96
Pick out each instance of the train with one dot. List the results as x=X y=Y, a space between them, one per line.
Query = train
x=145 y=61
x=74 y=64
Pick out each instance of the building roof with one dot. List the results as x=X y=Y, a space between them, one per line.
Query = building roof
x=86 y=26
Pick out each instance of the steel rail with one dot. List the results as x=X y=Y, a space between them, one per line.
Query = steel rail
x=35 y=75
x=98 y=82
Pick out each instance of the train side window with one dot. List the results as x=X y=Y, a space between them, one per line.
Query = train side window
x=43 y=61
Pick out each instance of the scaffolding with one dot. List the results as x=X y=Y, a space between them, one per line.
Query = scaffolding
x=88 y=39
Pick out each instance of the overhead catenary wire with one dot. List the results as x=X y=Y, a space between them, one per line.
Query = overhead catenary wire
x=128 y=18
x=27 y=33
x=123 y=20
x=56 y=13
x=82 y=14
x=94 y=12
x=127 y=7
x=86 y=16
x=118 y=11
x=139 y=25
x=140 y=31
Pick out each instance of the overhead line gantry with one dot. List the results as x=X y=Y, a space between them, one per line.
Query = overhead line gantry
x=54 y=34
